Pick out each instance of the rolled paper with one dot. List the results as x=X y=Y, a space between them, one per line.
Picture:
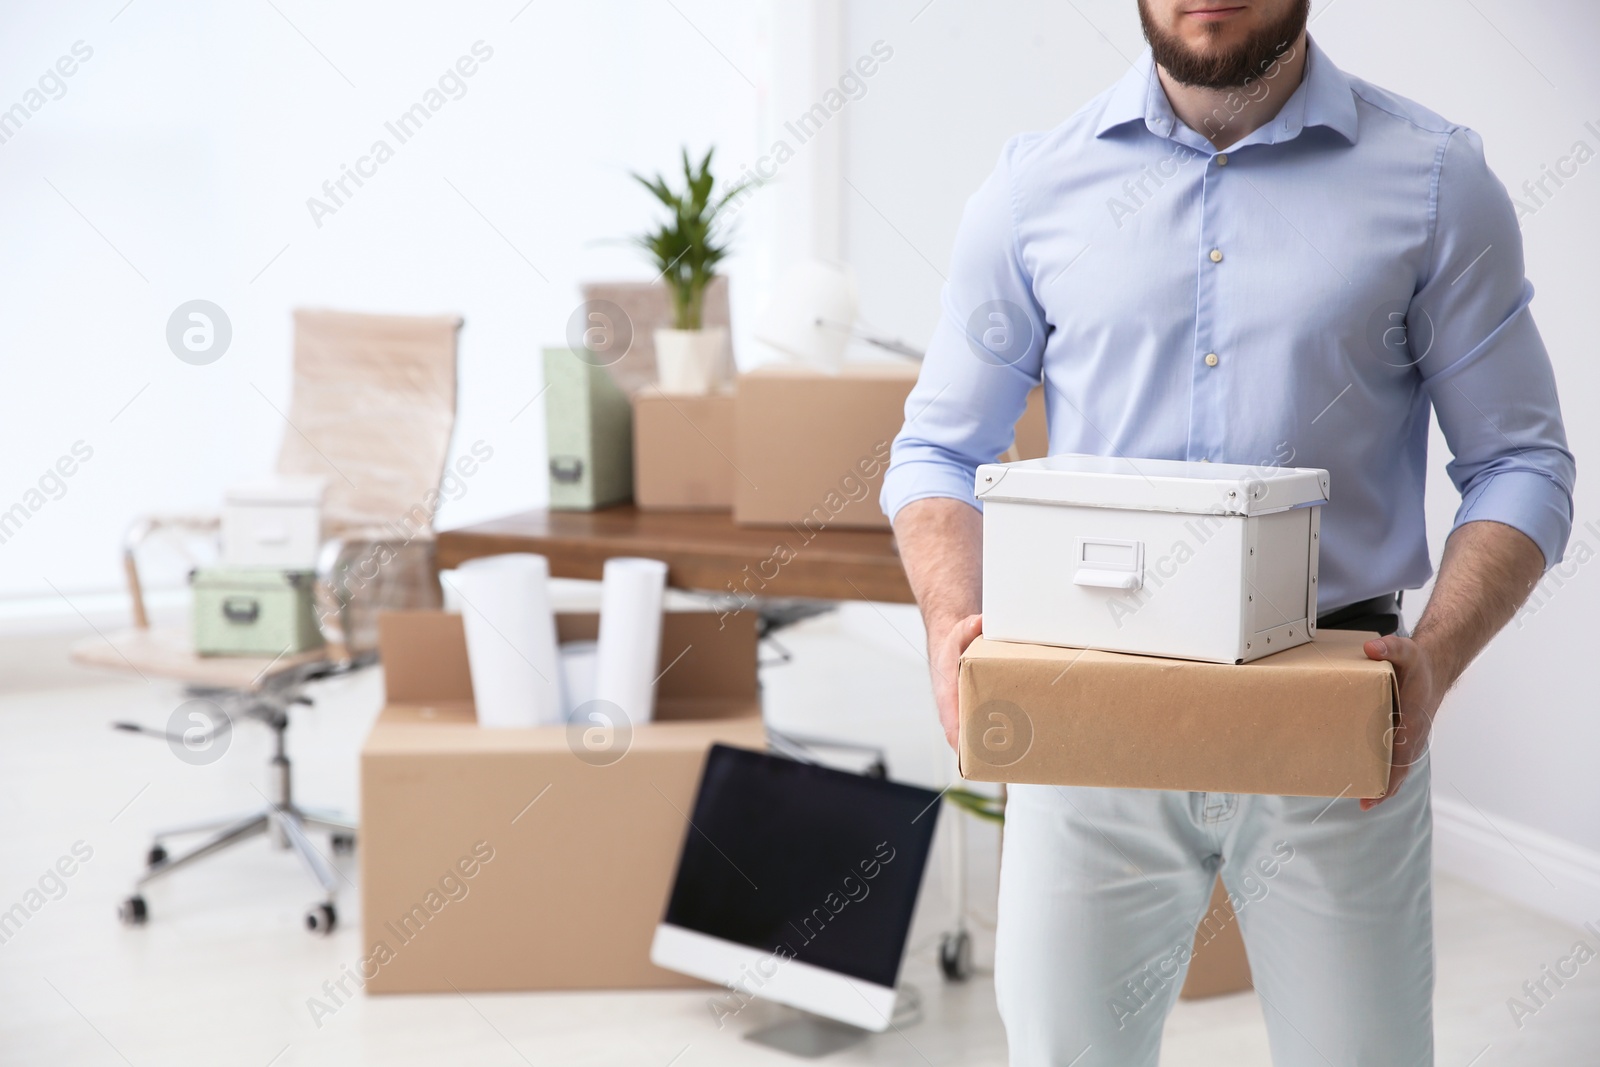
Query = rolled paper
x=511 y=640
x=627 y=659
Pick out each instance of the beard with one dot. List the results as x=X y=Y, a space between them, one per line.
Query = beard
x=1231 y=68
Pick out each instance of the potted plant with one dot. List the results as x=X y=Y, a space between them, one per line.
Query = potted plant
x=686 y=249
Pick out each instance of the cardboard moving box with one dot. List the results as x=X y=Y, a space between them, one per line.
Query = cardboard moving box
x=683 y=451
x=516 y=859
x=812 y=447
x=1314 y=720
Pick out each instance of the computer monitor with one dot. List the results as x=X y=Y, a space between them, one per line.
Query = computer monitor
x=796 y=884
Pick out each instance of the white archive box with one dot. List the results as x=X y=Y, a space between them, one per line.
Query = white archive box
x=1203 y=561
x=273 y=522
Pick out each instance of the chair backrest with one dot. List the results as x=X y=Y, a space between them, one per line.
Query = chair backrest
x=372 y=410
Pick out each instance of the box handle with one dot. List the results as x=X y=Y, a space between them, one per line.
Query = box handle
x=1109 y=563
x=566 y=470
x=241 y=609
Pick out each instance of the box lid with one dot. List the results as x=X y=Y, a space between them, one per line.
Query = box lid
x=282 y=489
x=1153 y=484
x=249 y=579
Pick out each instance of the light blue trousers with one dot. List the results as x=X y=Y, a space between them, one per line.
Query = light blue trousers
x=1101 y=891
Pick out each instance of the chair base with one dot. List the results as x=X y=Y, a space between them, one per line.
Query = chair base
x=284 y=820
x=286 y=824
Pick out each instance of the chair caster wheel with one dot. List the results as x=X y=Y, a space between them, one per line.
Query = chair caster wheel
x=157 y=854
x=343 y=844
x=133 y=912
x=322 y=919
x=955 y=956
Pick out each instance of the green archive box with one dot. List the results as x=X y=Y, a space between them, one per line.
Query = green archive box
x=589 y=429
x=253 y=611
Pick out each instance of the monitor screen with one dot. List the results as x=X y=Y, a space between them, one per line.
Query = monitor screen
x=804 y=861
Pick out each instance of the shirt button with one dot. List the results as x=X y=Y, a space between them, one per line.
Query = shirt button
x=1211 y=359
x=1216 y=255
x=1222 y=161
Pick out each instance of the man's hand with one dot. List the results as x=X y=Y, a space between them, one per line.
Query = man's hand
x=944 y=662
x=1421 y=691
x=1487 y=572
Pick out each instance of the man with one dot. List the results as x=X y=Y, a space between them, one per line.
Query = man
x=1239 y=253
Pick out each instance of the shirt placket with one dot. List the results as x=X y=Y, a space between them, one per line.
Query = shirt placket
x=1209 y=368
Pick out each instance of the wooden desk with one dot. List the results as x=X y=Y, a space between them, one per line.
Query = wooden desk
x=703 y=550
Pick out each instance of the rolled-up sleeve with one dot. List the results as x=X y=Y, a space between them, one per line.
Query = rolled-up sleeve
x=984 y=357
x=1483 y=363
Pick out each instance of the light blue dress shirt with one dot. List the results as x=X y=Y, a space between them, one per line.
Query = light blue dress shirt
x=1299 y=299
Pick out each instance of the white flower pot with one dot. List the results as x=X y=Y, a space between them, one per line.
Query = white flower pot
x=688 y=361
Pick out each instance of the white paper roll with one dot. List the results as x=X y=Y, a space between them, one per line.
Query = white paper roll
x=511 y=640
x=627 y=659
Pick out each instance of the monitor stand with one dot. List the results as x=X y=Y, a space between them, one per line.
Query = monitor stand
x=808 y=1036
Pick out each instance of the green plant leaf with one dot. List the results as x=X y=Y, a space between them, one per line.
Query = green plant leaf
x=688 y=246
x=978 y=804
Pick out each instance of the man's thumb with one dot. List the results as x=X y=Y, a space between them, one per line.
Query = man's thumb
x=968 y=630
x=1396 y=650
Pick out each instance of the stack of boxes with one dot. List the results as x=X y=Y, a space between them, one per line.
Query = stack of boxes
x=258 y=600
x=1148 y=624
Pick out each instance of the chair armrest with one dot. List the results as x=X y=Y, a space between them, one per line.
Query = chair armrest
x=139 y=531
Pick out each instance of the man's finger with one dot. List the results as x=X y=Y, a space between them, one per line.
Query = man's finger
x=1399 y=768
x=961 y=635
x=1397 y=777
x=1401 y=651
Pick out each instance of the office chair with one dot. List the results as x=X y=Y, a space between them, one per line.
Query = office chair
x=372 y=411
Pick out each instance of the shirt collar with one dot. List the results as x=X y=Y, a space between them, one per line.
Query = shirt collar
x=1323 y=98
x=1329 y=99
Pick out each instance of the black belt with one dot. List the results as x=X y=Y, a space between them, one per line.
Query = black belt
x=1380 y=614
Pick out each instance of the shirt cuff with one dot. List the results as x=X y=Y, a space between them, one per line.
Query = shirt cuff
x=920 y=479
x=1526 y=501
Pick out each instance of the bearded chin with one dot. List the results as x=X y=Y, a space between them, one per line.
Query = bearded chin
x=1230 y=68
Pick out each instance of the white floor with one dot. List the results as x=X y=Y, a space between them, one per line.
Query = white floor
x=223 y=972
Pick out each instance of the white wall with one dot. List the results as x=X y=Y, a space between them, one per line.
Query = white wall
x=178 y=163
x=1518 y=741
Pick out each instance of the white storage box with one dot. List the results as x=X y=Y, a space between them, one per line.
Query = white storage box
x=275 y=522
x=1204 y=561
